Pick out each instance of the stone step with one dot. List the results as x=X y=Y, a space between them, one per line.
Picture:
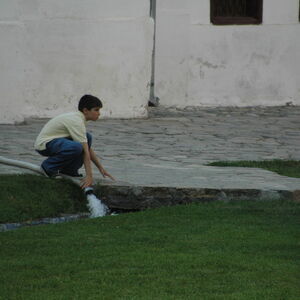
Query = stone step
x=131 y=197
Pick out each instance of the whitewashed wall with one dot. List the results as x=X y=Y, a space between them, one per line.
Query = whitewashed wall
x=198 y=63
x=53 y=51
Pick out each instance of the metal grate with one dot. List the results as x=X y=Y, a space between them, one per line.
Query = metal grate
x=236 y=11
x=231 y=8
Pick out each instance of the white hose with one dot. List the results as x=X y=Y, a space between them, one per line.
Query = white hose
x=20 y=164
x=97 y=208
x=31 y=167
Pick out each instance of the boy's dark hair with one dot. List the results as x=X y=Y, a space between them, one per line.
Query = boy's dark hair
x=89 y=102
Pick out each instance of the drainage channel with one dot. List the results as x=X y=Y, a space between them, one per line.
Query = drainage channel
x=43 y=221
x=57 y=220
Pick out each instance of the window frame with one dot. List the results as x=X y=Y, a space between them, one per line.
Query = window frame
x=249 y=20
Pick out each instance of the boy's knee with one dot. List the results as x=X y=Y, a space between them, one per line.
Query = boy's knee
x=77 y=148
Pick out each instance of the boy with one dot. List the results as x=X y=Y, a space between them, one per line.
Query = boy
x=67 y=145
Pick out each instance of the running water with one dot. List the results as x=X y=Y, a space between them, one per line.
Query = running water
x=96 y=207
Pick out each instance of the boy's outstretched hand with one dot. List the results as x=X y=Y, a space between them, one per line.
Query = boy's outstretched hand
x=96 y=161
x=88 y=180
x=106 y=174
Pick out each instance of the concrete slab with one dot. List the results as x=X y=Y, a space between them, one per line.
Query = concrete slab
x=171 y=147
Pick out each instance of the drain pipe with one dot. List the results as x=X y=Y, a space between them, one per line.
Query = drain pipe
x=153 y=100
x=95 y=205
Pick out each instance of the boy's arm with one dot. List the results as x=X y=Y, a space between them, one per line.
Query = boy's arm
x=88 y=180
x=97 y=163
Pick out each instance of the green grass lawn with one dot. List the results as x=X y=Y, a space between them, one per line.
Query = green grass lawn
x=289 y=168
x=30 y=197
x=240 y=250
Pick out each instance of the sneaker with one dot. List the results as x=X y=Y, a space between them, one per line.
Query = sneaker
x=47 y=174
x=71 y=174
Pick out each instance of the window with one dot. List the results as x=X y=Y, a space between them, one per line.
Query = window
x=228 y=12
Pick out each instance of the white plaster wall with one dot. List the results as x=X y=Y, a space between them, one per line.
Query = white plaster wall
x=227 y=73
x=198 y=63
x=52 y=52
x=171 y=59
x=281 y=12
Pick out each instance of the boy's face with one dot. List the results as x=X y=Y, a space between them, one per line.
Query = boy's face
x=92 y=114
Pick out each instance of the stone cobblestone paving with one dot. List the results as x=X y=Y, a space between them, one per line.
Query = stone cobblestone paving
x=172 y=146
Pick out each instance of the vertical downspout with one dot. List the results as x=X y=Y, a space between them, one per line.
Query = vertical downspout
x=153 y=100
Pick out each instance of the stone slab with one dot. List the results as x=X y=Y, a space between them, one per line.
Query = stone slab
x=171 y=147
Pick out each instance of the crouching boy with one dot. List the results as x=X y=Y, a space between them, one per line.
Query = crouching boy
x=68 y=146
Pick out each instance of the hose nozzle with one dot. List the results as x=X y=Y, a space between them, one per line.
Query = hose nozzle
x=88 y=190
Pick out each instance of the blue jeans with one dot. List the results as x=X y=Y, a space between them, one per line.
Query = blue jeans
x=64 y=156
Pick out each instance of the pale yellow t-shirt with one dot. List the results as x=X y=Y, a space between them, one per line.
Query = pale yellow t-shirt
x=66 y=125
